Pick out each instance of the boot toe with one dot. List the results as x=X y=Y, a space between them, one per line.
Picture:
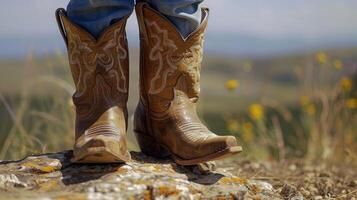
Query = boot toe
x=231 y=141
x=221 y=143
x=101 y=149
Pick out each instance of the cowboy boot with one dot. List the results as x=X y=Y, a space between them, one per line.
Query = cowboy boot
x=100 y=72
x=166 y=122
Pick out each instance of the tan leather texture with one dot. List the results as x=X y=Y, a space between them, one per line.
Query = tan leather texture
x=100 y=70
x=166 y=121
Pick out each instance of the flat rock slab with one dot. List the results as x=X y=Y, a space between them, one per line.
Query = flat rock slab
x=53 y=176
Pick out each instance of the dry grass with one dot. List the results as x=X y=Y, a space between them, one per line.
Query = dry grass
x=320 y=126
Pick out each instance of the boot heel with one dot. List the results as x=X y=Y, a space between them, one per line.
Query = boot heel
x=150 y=146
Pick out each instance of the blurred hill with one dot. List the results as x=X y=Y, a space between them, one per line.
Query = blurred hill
x=224 y=44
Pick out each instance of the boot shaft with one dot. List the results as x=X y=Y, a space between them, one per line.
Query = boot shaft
x=100 y=70
x=169 y=63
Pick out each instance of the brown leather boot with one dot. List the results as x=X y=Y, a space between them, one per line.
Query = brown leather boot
x=100 y=72
x=165 y=121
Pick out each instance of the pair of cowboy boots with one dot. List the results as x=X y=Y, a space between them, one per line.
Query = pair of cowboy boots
x=165 y=121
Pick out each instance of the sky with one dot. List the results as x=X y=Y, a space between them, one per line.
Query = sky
x=273 y=19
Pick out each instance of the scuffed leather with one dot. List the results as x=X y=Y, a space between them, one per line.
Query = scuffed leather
x=169 y=89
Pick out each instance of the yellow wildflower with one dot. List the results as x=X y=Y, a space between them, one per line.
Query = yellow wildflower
x=248 y=135
x=304 y=100
x=338 y=64
x=310 y=109
x=351 y=103
x=321 y=58
x=256 y=111
x=232 y=125
x=247 y=126
x=346 y=84
x=231 y=84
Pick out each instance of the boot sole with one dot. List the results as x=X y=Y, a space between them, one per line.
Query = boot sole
x=98 y=155
x=165 y=152
x=211 y=157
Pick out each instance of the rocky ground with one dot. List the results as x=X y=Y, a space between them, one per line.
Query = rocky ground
x=296 y=180
x=52 y=176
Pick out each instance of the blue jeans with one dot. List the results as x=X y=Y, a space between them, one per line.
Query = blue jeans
x=96 y=15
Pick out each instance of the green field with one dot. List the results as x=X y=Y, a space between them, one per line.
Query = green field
x=297 y=106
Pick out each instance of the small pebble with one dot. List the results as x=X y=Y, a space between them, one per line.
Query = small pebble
x=297 y=198
x=292 y=167
x=318 y=197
